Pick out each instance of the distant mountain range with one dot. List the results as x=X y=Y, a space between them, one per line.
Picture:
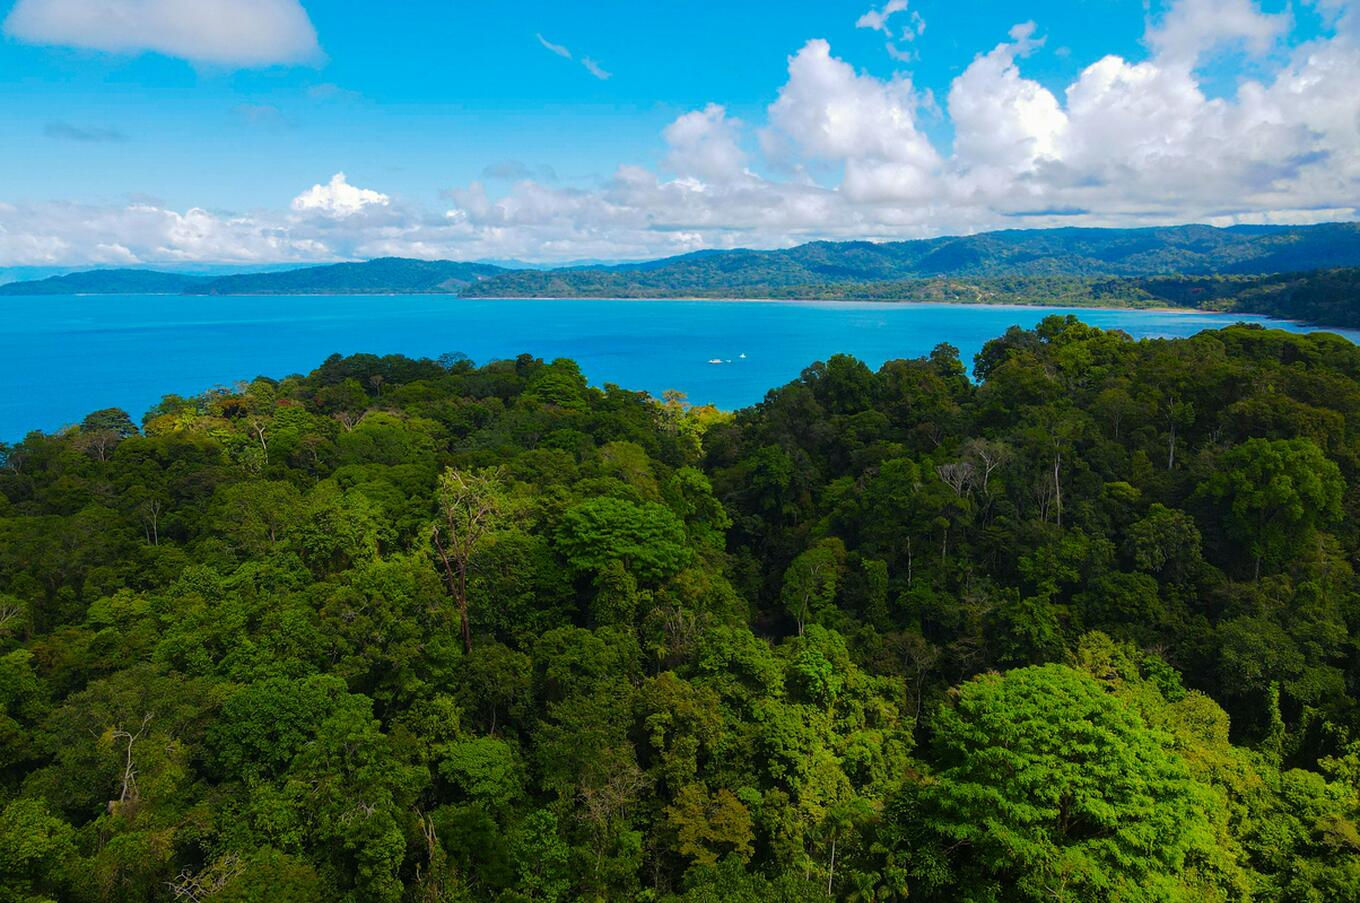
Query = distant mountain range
x=1078 y=266
x=106 y=282
x=1181 y=250
x=384 y=276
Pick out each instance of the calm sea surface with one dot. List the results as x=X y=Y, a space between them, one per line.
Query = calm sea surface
x=65 y=356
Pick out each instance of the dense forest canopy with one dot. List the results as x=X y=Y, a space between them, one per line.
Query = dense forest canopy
x=1319 y=296
x=1082 y=627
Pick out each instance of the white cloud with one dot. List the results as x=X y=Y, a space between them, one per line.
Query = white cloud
x=877 y=19
x=1003 y=121
x=843 y=154
x=338 y=198
x=827 y=112
x=590 y=65
x=595 y=69
x=55 y=233
x=897 y=53
x=1192 y=28
x=554 y=48
x=916 y=28
x=219 y=32
x=705 y=145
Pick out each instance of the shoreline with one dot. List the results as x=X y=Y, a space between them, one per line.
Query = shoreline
x=1014 y=305
x=306 y=321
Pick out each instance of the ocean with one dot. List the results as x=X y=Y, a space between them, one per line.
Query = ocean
x=68 y=355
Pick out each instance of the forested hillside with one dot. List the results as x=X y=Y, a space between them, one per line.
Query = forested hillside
x=409 y=630
x=1192 y=266
x=103 y=282
x=1016 y=253
x=1327 y=297
x=385 y=275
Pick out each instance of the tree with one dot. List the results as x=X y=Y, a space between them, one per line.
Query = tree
x=335 y=530
x=540 y=858
x=256 y=514
x=559 y=384
x=1179 y=415
x=473 y=505
x=229 y=679
x=36 y=851
x=101 y=431
x=494 y=683
x=648 y=538
x=841 y=821
x=1275 y=492
x=710 y=825
x=268 y=876
x=1165 y=541
x=484 y=769
x=811 y=581
x=1049 y=784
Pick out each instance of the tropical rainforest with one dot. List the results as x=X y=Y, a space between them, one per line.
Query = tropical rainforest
x=1078 y=625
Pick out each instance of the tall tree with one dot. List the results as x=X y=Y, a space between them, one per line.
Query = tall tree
x=1276 y=491
x=1060 y=791
x=473 y=505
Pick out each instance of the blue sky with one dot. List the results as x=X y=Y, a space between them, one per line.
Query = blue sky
x=443 y=107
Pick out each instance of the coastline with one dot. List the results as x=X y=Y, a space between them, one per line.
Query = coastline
x=1056 y=304
x=655 y=343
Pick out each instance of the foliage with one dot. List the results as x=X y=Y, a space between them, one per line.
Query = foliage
x=421 y=630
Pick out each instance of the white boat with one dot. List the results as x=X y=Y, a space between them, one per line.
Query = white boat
x=716 y=360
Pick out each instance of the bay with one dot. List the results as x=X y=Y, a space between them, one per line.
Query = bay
x=67 y=355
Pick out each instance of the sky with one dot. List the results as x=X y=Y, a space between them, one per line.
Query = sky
x=245 y=132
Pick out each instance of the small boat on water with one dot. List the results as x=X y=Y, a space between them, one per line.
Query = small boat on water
x=717 y=360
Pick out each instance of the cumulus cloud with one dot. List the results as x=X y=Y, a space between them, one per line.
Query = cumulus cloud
x=841 y=153
x=57 y=233
x=219 y=32
x=338 y=198
x=1192 y=28
x=705 y=145
x=1004 y=123
x=827 y=112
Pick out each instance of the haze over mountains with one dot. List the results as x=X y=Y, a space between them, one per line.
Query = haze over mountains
x=808 y=270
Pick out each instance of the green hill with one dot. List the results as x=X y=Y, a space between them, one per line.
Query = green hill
x=1304 y=272
x=107 y=282
x=386 y=275
x=1194 y=250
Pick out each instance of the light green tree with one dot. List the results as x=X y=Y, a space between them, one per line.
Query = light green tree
x=1053 y=789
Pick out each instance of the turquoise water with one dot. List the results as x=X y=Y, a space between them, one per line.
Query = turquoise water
x=66 y=356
